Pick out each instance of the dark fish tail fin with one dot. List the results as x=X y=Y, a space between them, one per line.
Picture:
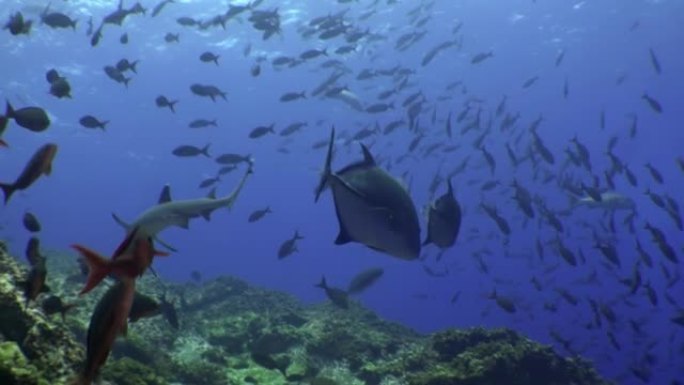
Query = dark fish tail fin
x=172 y=106
x=205 y=150
x=126 y=80
x=98 y=267
x=322 y=284
x=297 y=235
x=132 y=66
x=103 y=125
x=8 y=189
x=323 y=182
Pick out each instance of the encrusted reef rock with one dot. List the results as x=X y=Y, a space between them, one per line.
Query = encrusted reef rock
x=233 y=333
x=33 y=341
x=479 y=356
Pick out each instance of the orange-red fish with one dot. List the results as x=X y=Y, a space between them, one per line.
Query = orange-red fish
x=39 y=164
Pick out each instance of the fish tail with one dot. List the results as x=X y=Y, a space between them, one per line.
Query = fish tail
x=132 y=66
x=172 y=106
x=8 y=189
x=323 y=182
x=205 y=150
x=2 y=142
x=322 y=284
x=98 y=267
x=103 y=125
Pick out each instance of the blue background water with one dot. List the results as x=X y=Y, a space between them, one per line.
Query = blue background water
x=123 y=169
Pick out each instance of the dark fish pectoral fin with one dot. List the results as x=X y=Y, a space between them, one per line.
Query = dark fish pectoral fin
x=343 y=237
x=8 y=189
x=120 y=221
x=207 y=215
x=165 y=245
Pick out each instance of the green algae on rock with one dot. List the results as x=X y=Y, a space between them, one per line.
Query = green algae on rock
x=47 y=344
x=233 y=333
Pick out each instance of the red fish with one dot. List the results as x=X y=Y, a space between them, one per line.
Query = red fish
x=39 y=164
x=130 y=260
x=109 y=319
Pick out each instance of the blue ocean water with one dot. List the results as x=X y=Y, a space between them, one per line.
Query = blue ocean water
x=123 y=169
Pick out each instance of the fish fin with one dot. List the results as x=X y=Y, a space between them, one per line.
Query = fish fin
x=367 y=156
x=120 y=221
x=8 y=190
x=343 y=237
x=98 y=267
x=322 y=284
x=9 y=111
x=206 y=215
x=323 y=182
x=166 y=245
x=184 y=223
x=165 y=194
x=212 y=193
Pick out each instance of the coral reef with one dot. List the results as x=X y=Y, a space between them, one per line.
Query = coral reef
x=232 y=333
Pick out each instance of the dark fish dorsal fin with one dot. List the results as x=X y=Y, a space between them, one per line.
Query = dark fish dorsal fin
x=367 y=156
x=212 y=193
x=450 y=190
x=165 y=195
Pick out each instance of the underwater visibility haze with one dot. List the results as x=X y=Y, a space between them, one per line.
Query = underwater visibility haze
x=446 y=164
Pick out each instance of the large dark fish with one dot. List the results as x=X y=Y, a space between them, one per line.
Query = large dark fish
x=39 y=164
x=372 y=207
x=444 y=220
